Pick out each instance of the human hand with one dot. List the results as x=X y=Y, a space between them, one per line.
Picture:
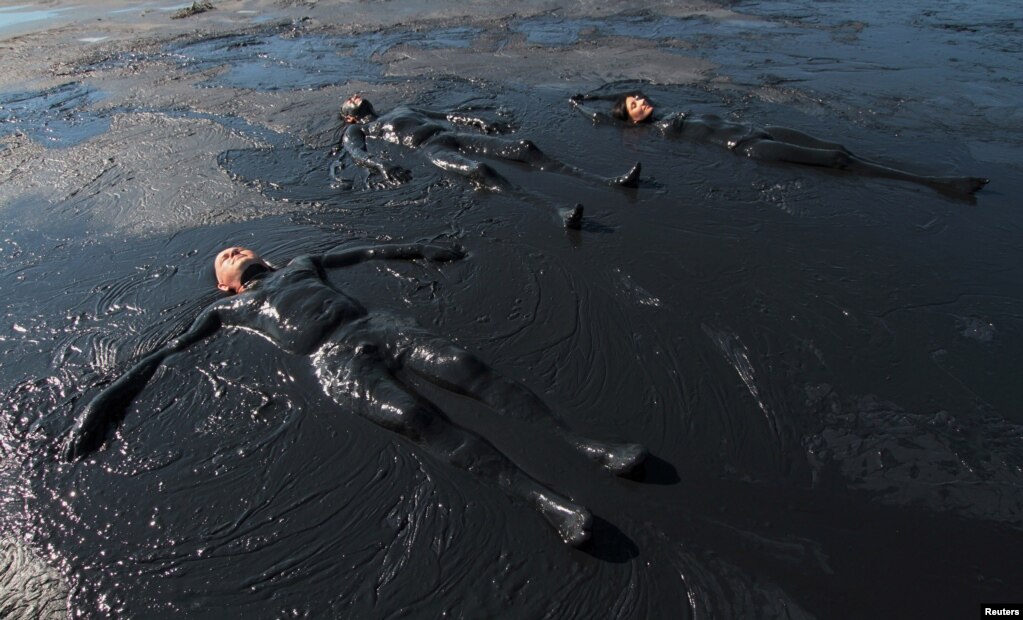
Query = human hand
x=87 y=434
x=443 y=253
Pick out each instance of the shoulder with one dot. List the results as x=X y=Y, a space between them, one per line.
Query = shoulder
x=300 y=266
x=673 y=120
x=302 y=261
x=400 y=112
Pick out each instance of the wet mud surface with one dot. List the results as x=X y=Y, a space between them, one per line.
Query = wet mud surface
x=824 y=367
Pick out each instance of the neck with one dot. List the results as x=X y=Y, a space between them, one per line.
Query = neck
x=252 y=274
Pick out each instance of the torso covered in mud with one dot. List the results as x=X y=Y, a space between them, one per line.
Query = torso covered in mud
x=405 y=126
x=294 y=307
x=710 y=128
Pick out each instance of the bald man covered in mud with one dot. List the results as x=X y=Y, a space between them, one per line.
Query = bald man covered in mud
x=356 y=355
x=438 y=136
x=768 y=143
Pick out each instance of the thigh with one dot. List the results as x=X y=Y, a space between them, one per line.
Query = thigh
x=772 y=150
x=449 y=159
x=798 y=138
x=363 y=382
x=441 y=361
x=447 y=152
x=521 y=150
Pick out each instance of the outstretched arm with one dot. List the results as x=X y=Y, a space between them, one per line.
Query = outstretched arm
x=108 y=407
x=354 y=143
x=390 y=251
x=598 y=96
x=596 y=116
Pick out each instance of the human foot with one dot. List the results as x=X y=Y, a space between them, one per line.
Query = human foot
x=571 y=521
x=969 y=185
x=630 y=178
x=959 y=186
x=619 y=459
x=572 y=217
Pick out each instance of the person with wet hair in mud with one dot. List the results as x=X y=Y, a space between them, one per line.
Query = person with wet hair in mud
x=768 y=143
x=439 y=136
x=356 y=355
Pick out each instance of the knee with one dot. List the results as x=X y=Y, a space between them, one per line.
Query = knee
x=413 y=421
x=841 y=160
x=466 y=363
x=528 y=146
x=484 y=176
x=483 y=171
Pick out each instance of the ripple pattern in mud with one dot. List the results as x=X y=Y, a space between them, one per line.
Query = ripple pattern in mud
x=821 y=365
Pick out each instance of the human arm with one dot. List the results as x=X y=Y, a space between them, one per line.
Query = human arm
x=108 y=407
x=390 y=251
x=354 y=143
x=596 y=116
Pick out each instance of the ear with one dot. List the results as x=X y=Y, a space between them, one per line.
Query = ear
x=223 y=287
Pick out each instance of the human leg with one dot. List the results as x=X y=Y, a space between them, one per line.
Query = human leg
x=445 y=155
x=772 y=150
x=526 y=152
x=360 y=379
x=453 y=368
x=442 y=151
x=798 y=138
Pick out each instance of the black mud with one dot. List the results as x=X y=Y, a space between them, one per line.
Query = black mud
x=824 y=367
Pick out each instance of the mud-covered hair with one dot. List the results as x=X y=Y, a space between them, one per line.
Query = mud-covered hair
x=360 y=110
x=620 y=107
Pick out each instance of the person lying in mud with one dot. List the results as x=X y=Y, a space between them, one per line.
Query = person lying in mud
x=439 y=137
x=768 y=143
x=356 y=355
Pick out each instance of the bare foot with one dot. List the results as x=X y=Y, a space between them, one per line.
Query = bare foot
x=959 y=186
x=618 y=458
x=572 y=217
x=969 y=185
x=630 y=178
x=571 y=521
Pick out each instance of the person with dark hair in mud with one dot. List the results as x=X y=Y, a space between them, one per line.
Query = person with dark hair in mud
x=768 y=143
x=438 y=136
x=356 y=355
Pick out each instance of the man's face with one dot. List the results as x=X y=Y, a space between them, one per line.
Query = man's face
x=229 y=266
x=639 y=108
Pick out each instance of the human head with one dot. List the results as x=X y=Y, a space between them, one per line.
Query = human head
x=230 y=265
x=633 y=107
x=355 y=109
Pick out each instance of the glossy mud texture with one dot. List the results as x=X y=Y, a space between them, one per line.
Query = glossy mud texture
x=824 y=367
